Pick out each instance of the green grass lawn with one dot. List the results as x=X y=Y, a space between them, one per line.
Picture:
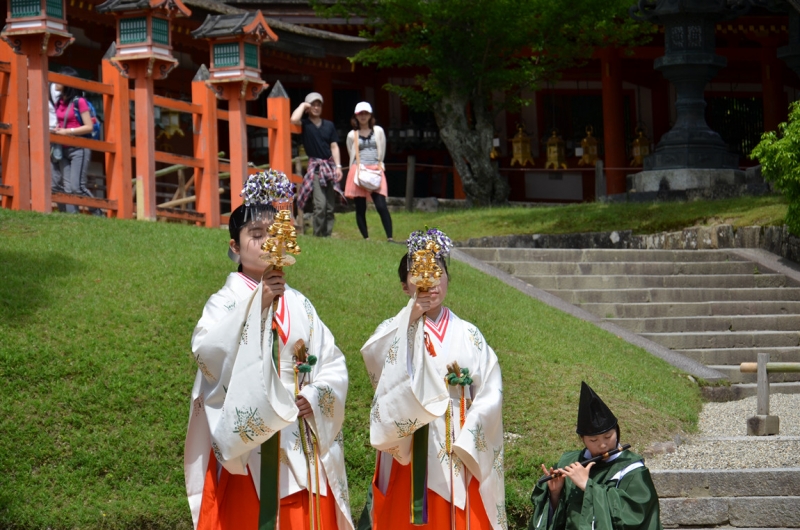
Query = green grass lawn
x=642 y=218
x=96 y=317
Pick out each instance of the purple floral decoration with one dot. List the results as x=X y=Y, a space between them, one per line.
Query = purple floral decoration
x=265 y=187
x=419 y=238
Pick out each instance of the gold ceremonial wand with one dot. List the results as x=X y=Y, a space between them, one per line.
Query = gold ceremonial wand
x=279 y=251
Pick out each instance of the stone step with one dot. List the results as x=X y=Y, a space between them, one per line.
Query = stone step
x=735 y=356
x=762 y=482
x=732 y=323
x=739 y=512
x=730 y=339
x=663 y=295
x=594 y=255
x=695 y=281
x=563 y=268
x=735 y=375
x=687 y=309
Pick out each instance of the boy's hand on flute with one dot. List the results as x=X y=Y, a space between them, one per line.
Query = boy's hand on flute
x=555 y=484
x=578 y=474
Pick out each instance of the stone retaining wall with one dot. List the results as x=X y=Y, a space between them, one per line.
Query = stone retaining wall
x=775 y=239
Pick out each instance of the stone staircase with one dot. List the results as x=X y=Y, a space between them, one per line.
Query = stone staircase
x=714 y=306
x=752 y=498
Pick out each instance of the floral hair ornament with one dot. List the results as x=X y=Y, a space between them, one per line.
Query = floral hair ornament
x=425 y=249
x=282 y=238
x=257 y=198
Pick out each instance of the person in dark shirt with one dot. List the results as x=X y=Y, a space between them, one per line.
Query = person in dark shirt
x=324 y=163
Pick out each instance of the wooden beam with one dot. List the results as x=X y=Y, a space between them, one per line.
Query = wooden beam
x=82 y=200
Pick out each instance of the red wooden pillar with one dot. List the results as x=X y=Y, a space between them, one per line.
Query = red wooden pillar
x=323 y=83
x=206 y=145
x=280 y=139
x=143 y=89
x=16 y=163
x=119 y=167
x=775 y=104
x=613 y=120
x=237 y=127
x=39 y=132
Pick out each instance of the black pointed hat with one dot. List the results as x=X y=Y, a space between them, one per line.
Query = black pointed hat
x=594 y=417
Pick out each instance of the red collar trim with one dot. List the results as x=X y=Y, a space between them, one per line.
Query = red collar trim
x=251 y=283
x=439 y=329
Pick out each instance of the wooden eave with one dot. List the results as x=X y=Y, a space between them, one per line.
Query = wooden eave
x=259 y=26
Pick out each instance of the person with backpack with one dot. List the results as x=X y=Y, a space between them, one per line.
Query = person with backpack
x=73 y=118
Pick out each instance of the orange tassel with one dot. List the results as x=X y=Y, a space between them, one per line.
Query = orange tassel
x=429 y=345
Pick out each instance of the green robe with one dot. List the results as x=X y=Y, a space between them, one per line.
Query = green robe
x=608 y=502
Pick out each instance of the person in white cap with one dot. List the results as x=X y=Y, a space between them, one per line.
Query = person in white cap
x=366 y=178
x=324 y=163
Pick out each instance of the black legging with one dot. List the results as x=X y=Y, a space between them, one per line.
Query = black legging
x=383 y=211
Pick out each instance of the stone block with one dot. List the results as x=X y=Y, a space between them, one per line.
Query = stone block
x=427 y=204
x=685 y=179
x=725 y=237
x=673 y=241
x=748 y=237
x=773 y=512
x=706 y=238
x=759 y=425
x=694 y=512
x=690 y=239
x=726 y=482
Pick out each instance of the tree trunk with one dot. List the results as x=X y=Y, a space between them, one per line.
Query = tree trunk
x=470 y=144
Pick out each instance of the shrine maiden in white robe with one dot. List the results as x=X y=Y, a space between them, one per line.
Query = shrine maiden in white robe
x=239 y=399
x=411 y=392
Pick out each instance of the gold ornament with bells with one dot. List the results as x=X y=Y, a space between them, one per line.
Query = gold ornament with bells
x=425 y=272
x=282 y=241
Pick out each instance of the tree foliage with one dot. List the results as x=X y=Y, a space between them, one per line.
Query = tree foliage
x=466 y=52
x=779 y=156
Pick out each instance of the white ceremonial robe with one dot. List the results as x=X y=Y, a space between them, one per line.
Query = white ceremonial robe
x=410 y=391
x=239 y=400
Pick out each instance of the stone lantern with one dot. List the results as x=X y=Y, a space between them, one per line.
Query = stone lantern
x=235 y=75
x=143 y=52
x=38 y=30
x=689 y=63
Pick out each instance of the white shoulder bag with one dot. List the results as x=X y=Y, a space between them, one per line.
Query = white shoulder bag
x=369 y=179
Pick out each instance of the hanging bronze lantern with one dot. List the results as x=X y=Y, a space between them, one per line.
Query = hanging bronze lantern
x=521 y=148
x=556 y=154
x=495 y=154
x=589 y=147
x=640 y=148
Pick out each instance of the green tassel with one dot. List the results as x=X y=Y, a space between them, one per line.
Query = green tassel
x=312 y=360
x=304 y=368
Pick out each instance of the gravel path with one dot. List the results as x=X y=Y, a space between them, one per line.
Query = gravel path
x=722 y=441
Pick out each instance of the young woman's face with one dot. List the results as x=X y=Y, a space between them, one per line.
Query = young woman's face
x=601 y=443
x=363 y=118
x=251 y=237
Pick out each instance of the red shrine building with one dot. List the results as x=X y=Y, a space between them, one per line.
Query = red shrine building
x=617 y=98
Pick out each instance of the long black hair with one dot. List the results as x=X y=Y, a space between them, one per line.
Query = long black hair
x=69 y=93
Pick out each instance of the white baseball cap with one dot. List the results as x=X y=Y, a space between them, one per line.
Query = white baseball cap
x=363 y=107
x=314 y=96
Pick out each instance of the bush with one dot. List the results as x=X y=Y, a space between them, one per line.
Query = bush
x=779 y=156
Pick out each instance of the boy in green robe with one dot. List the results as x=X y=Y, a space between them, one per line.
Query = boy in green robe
x=614 y=493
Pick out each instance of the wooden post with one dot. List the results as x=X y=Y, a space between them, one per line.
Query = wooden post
x=762 y=424
x=410 y=168
x=599 y=181
x=280 y=139
x=762 y=381
x=613 y=124
x=206 y=148
x=237 y=127
x=145 y=143
x=39 y=132
x=119 y=166
x=774 y=98
x=15 y=159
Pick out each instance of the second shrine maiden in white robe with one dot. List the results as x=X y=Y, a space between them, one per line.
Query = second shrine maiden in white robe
x=410 y=391
x=239 y=399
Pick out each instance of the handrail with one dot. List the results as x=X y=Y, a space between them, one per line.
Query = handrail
x=81 y=84
x=80 y=141
x=177 y=104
